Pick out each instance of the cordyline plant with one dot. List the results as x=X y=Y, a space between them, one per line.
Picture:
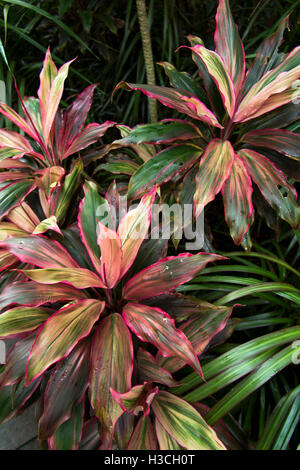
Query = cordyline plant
x=240 y=136
x=100 y=327
x=41 y=162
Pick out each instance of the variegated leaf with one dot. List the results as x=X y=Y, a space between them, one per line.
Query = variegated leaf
x=184 y=423
x=61 y=333
x=66 y=387
x=282 y=141
x=143 y=437
x=20 y=320
x=111 y=255
x=137 y=399
x=214 y=169
x=78 y=277
x=157 y=327
x=270 y=179
x=175 y=100
x=237 y=195
x=133 y=228
x=39 y=251
x=166 y=275
x=216 y=68
x=229 y=45
x=111 y=367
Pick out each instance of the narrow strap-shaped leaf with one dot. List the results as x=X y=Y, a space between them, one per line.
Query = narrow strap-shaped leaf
x=269 y=179
x=15 y=141
x=39 y=251
x=162 y=132
x=214 y=169
x=71 y=183
x=32 y=294
x=47 y=75
x=24 y=218
x=61 y=333
x=66 y=387
x=184 y=83
x=175 y=100
x=111 y=255
x=276 y=139
x=51 y=99
x=89 y=135
x=184 y=423
x=78 y=277
x=13 y=193
x=279 y=424
x=47 y=224
x=166 y=275
x=111 y=367
x=20 y=320
x=216 y=68
x=163 y=167
x=13 y=116
x=91 y=208
x=251 y=383
x=16 y=361
x=68 y=435
x=143 y=437
x=237 y=196
x=155 y=326
x=165 y=440
x=266 y=56
x=133 y=229
x=74 y=118
x=150 y=370
x=6 y=260
x=273 y=82
x=229 y=45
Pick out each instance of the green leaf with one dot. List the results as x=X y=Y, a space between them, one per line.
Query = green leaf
x=162 y=168
x=251 y=383
x=184 y=423
x=68 y=435
x=21 y=320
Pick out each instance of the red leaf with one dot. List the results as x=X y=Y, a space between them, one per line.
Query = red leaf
x=157 y=327
x=166 y=275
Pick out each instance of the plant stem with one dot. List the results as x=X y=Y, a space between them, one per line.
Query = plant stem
x=148 y=56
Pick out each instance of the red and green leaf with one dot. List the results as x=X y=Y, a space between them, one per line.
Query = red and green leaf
x=65 y=388
x=31 y=294
x=155 y=326
x=78 y=277
x=91 y=206
x=175 y=100
x=73 y=120
x=111 y=255
x=133 y=229
x=237 y=195
x=282 y=141
x=214 y=169
x=60 y=334
x=143 y=437
x=89 y=135
x=150 y=370
x=68 y=435
x=111 y=367
x=6 y=260
x=216 y=69
x=273 y=82
x=270 y=179
x=184 y=423
x=229 y=45
x=166 y=275
x=163 y=167
x=20 y=320
x=166 y=442
x=13 y=193
x=39 y=251
x=16 y=361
